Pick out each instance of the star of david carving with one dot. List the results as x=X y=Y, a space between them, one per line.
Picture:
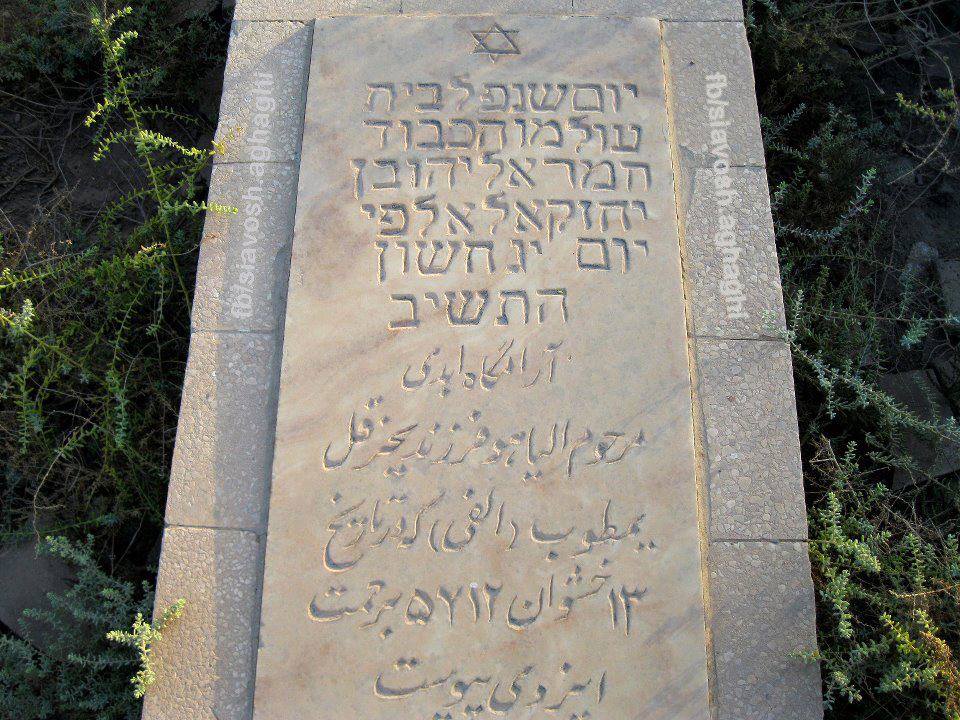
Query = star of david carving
x=495 y=42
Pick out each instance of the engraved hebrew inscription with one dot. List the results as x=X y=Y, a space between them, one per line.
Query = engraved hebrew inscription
x=484 y=500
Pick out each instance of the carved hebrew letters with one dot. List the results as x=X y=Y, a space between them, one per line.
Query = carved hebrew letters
x=505 y=138
x=485 y=152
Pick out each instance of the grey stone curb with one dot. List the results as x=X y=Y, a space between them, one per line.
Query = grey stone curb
x=471 y=7
x=307 y=10
x=714 y=56
x=219 y=486
x=264 y=90
x=730 y=254
x=761 y=603
x=762 y=616
x=677 y=10
x=204 y=659
x=245 y=256
x=224 y=448
x=751 y=447
x=687 y=10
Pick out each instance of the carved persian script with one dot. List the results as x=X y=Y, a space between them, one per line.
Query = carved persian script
x=484 y=499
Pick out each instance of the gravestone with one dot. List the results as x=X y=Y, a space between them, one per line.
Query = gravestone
x=488 y=411
x=484 y=494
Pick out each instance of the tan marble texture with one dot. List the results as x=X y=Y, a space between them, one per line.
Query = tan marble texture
x=486 y=506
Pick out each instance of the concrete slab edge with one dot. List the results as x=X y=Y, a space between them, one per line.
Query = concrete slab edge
x=764 y=632
x=685 y=10
x=214 y=541
x=753 y=507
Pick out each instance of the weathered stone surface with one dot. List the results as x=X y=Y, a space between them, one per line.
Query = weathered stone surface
x=711 y=72
x=473 y=7
x=221 y=463
x=204 y=661
x=26 y=577
x=921 y=261
x=749 y=416
x=763 y=617
x=947 y=371
x=665 y=9
x=305 y=10
x=245 y=256
x=484 y=462
x=949 y=274
x=918 y=393
x=730 y=254
x=261 y=112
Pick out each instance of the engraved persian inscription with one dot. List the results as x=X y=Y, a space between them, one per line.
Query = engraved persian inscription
x=484 y=500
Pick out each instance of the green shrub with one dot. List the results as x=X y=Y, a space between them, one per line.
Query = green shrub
x=94 y=326
x=142 y=637
x=889 y=587
x=886 y=564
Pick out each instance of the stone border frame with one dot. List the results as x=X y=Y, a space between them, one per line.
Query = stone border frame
x=759 y=594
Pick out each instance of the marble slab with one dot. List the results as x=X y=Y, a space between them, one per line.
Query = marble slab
x=484 y=499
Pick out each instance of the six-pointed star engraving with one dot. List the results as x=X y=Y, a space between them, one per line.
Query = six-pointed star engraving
x=495 y=42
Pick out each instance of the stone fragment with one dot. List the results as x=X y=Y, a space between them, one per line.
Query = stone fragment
x=901 y=170
x=26 y=578
x=917 y=392
x=182 y=10
x=922 y=258
x=947 y=369
x=949 y=273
